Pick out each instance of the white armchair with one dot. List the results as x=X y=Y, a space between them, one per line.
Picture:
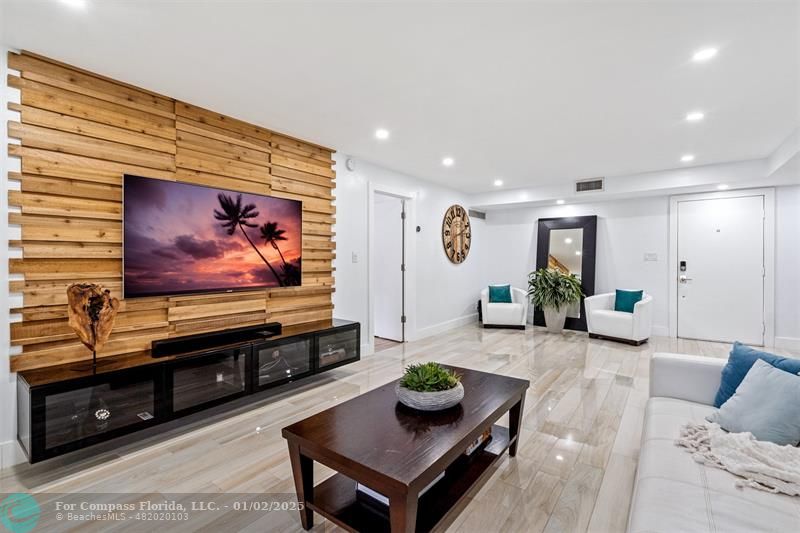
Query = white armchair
x=605 y=323
x=499 y=315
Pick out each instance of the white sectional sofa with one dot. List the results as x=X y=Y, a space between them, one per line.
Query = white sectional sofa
x=673 y=493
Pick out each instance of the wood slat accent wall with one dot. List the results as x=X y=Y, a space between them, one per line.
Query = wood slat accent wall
x=80 y=132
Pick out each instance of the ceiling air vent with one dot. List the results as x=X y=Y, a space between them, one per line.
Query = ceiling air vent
x=477 y=214
x=590 y=185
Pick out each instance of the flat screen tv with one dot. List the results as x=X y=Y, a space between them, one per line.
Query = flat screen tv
x=180 y=238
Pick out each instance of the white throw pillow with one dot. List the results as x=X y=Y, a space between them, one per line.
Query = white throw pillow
x=765 y=404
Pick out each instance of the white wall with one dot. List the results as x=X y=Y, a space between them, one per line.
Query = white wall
x=9 y=451
x=629 y=228
x=787 y=267
x=446 y=294
x=626 y=230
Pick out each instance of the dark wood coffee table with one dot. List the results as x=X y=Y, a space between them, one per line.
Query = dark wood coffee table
x=397 y=451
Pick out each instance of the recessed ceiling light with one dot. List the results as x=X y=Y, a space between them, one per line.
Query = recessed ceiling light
x=688 y=158
x=498 y=183
x=560 y=202
x=76 y=4
x=695 y=116
x=448 y=161
x=704 y=55
x=559 y=457
x=577 y=252
x=568 y=240
x=722 y=186
x=381 y=134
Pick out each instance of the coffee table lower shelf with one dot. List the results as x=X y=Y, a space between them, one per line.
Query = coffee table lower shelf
x=335 y=498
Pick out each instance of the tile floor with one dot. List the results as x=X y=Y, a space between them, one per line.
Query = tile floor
x=573 y=471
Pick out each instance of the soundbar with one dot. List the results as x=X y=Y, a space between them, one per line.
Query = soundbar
x=177 y=346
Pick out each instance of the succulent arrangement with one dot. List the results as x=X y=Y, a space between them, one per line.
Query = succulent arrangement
x=429 y=377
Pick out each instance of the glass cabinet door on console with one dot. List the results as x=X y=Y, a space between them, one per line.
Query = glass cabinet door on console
x=91 y=412
x=337 y=347
x=209 y=378
x=282 y=361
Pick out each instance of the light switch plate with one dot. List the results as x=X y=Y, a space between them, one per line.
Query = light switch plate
x=650 y=256
x=355 y=257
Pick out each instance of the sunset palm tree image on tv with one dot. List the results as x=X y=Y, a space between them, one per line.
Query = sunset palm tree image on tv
x=181 y=238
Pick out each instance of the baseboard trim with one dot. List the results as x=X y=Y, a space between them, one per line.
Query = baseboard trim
x=788 y=343
x=11 y=454
x=441 y=327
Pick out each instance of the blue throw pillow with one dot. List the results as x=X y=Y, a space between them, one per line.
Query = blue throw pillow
x=500 y=294
x=765 y=404
x=625 y=300
x=739 y=362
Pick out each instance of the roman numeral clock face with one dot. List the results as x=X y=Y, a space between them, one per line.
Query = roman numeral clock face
x=456 y=234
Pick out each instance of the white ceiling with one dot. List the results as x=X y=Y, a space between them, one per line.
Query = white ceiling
x=533 y=93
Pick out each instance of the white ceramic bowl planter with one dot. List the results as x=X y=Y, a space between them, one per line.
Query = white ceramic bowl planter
x=430 y=401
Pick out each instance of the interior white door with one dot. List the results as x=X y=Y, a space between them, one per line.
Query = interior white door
x=721 y=269
x=388 y=238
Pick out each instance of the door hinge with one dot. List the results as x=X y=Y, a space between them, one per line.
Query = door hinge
x=403 y=319
x=403 y=215
x=402 y=268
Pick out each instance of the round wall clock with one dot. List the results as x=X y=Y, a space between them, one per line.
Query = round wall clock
x=456 y=234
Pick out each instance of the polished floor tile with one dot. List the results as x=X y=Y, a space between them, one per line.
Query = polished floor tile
x=573 y=472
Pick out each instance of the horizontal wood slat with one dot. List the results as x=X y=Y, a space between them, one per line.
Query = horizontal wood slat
x=42 y=96
x=282 y=160
x=78 y=144
x=189 y=312
x=54 y=163
x=79 y=134
x=67 y=187
x=304 y=177
x=224 y=166
x=89 y=128
x=212 y=132
x=47 y=72
x=222 y=148
x=50 y=204
x=204 y=116
x=222 y=182
x=285 y=140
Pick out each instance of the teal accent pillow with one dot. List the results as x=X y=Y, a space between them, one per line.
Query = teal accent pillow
x=500 y=294
x=765 y=404
x=739 y=362
x=625 y=300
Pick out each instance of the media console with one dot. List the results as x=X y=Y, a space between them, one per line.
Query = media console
x=69 y=407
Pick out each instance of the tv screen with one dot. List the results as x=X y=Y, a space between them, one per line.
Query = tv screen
x=181 y=238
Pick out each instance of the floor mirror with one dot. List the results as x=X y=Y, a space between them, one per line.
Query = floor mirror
x=568 y=244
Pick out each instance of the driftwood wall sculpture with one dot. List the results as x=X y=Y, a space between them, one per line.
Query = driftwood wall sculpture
x=91 y=311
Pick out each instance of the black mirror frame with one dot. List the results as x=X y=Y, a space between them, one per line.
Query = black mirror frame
x=588 y=254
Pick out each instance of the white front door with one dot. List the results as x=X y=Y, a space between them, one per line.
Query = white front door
x=721 y=269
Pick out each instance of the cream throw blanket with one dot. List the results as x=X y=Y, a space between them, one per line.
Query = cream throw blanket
x=762 y=465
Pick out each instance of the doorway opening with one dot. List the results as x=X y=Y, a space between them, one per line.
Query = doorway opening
x=721 y=261
x=389 y=270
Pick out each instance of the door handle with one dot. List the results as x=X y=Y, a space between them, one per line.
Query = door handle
x=684 y=279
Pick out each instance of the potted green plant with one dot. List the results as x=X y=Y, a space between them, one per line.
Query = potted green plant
x=553 y=292
x=429 y=387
